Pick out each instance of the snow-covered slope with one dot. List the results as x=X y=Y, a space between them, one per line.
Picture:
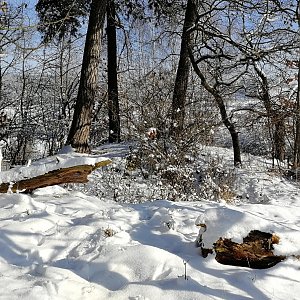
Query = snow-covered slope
x=62 y=244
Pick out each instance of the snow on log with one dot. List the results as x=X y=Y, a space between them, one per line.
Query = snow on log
x=58 y=169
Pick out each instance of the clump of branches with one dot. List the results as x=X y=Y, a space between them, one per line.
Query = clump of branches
x=168 y=163
x=216 y=181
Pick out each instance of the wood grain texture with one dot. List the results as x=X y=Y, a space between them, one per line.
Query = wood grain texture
x=75 y=174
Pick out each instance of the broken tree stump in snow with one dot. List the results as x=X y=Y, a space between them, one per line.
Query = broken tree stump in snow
x=255 y=251
x=51 y=171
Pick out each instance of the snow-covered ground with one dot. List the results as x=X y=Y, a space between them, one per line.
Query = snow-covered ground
x=59 y=243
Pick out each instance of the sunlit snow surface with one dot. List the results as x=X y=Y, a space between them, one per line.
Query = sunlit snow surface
x=54 y=244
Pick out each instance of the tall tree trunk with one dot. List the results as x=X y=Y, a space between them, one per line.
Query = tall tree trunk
x=279 y=139
x=275 y=120
x=296 y=161
x=80 y=128
x=112 y=75
x=183 y=70
x=229 y=125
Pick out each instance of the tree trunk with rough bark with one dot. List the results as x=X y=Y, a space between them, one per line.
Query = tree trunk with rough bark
x=112 y=75
x=80 y=129
x=296 y=162
x=183 y=70
x=279 y=139
x=276 y=121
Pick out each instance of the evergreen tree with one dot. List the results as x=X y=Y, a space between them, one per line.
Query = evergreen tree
x=58 y=18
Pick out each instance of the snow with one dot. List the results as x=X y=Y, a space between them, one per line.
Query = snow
x=67 y=159
x=59 y=243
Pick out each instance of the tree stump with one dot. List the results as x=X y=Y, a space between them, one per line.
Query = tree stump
x=255 y=251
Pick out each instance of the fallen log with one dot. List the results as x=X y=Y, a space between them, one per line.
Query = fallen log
x=255 y=251
x=52 y=171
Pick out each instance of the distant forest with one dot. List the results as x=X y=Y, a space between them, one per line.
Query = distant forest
x=213 y=72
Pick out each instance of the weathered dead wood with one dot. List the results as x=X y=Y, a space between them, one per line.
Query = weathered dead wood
x=74 y=174
x=255 y=251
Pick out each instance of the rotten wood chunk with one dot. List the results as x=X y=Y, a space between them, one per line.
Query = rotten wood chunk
x=255 y=251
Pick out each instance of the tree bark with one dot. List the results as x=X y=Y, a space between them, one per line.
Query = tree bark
x=80 y=129
x=112 y=75
x=279 y=139
x=75 y=174
x=183 y=70
x=296 y=162
x=276 y=122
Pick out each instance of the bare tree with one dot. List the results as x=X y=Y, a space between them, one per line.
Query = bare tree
x=216 y=55
x=233 y=37
x=226 y=119
x=275 y=117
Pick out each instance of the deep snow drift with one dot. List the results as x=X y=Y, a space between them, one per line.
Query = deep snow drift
x=63 y=244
